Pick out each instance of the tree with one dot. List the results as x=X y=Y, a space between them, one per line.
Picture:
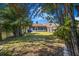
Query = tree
x=20 y=14
x=16 y=16
x=69 y=12
x=73 y=30
x=0 y=33
x=54 y=9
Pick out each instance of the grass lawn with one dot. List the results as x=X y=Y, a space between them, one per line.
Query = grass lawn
x=43 y=33
x=32 y=44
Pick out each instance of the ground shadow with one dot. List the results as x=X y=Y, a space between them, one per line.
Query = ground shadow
x=30 y=37
x=56 y=52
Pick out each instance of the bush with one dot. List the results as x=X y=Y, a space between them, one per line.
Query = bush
x=63 y=31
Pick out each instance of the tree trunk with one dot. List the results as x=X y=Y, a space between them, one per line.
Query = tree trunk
x=73 y=32
x=17 y=31
x=0 y=36
x=0 y=33
x=74 y=39
x=59 y=13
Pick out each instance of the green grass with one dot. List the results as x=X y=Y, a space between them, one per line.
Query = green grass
x=35 y=43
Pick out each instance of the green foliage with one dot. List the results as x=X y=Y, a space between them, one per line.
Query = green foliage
x=48 y=7
x=5 y=52
x=63 y=31
x=11 y=17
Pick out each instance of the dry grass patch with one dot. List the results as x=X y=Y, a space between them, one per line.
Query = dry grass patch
x=33 y=44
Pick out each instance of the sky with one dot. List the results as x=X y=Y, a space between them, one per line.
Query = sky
x=40 y=19
x=75 y=14
x=43 y=21
x=37 y=18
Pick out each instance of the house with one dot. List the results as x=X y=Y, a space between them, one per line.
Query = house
x=49 y=27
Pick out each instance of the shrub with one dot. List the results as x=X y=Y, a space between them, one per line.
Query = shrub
x=63 y=31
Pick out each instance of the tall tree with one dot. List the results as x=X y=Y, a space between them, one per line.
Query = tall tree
x=60 y=16
x=20 y=13
x=73 y=30
x=73 y=40
x=16 y=16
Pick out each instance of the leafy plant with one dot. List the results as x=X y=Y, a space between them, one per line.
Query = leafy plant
x=63 y=31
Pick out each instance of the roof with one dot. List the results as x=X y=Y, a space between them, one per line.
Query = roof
x=44 y=25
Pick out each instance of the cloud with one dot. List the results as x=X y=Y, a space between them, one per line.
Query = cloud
x=76 y=18
x=40 y=20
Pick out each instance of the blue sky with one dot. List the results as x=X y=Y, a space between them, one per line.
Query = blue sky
x=75 y=12
x=43 y=21
x=40 y=19
x=37 y=18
